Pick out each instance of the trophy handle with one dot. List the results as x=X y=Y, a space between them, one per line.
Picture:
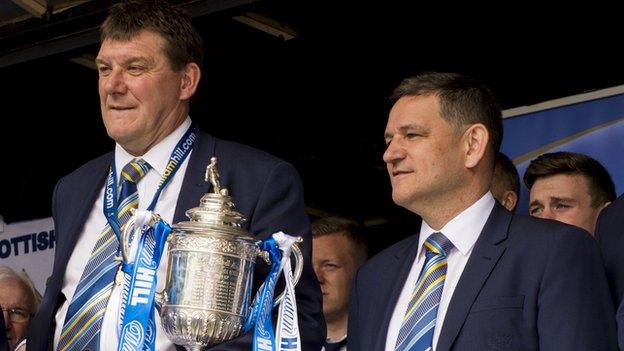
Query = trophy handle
x=297 y=273
x=130 y=226
x=125 y=234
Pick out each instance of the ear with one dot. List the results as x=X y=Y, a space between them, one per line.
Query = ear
x=476 y=139
x=190 y=80
x=605 y=205
x=510 y=199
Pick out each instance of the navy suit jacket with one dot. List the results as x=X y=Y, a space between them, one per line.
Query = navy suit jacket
x=529 y=284
x=610 y=236
x=267 y=191
x=4 y=343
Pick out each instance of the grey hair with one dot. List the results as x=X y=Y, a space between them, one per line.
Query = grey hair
x=6 y=273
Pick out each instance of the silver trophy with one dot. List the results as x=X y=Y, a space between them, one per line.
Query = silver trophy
x=207 y=296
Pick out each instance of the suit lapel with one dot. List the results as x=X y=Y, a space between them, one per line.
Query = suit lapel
x=486 y=253
x=86 y=190
x=193 y=185
x=403 y=261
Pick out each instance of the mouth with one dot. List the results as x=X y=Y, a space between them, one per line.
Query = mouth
x=120 y=108
x=399 y=172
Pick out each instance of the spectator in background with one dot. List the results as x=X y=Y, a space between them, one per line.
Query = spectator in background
x=338 y=251
x=505 y=185
x=19 y=301
x=568 y=187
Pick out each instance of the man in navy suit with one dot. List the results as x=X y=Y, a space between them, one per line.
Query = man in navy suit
x=476 y=277
x=149 y=68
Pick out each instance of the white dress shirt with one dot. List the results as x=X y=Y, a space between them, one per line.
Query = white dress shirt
x=157 y=157
x=463 y=231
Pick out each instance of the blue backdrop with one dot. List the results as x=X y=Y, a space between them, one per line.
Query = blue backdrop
x=593 y=127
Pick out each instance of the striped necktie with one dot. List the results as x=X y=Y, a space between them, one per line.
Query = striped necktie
x=416 y=332
x=84 y=317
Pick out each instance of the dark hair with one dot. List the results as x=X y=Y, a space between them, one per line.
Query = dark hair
x=506 y=174
x=128 y=18
x=342 y=226
x=463 y=101
x=601 y=187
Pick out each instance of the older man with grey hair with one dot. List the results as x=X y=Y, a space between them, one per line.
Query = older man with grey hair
x=19 y=301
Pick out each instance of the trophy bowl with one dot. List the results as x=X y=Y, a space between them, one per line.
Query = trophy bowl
x=209 y=278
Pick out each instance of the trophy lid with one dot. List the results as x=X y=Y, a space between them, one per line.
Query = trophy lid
x=216 y=210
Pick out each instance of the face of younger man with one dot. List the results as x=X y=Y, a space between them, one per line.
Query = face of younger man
x=335 y=265
x=565 y=198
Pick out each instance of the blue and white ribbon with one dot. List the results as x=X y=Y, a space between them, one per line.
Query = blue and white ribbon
x=279 y=247
x=260 y=316
x=138 y=331
x=287 y=327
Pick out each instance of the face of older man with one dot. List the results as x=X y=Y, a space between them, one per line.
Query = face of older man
x=17 y=305
x=141 y=97
x=424 y=155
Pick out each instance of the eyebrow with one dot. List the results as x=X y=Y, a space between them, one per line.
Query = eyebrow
x=551 y=200
x=561 y=199
x=330 y=260
x=535 y=203
x=129 y=61
x=408 y=127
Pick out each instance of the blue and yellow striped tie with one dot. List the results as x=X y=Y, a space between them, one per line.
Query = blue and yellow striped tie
x=416 y=332
x=84 y=317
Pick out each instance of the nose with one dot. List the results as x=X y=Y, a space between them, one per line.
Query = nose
x=114 y=83
x=394 y=152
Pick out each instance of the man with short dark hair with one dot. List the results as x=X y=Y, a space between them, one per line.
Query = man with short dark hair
x=506 y=182
x=476 y=277
x=568 y=187
x=338 y=251
x=149 y=66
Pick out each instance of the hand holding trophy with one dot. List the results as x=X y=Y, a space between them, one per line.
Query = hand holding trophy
x=207 y=297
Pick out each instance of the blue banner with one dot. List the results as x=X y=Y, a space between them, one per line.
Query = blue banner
x=594 y=127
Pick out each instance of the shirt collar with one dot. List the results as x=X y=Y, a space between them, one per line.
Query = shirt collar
x=463 y=230
x=158 y=155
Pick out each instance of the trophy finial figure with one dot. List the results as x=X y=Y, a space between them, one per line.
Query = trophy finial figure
x=212 y=175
